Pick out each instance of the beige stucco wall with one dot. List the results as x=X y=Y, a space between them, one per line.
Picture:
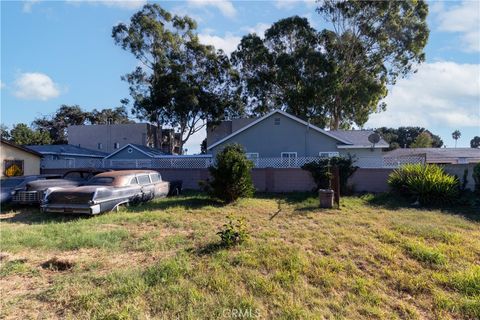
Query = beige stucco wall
x=31 y=162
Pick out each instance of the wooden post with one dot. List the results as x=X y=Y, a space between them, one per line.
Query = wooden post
x=336 y=185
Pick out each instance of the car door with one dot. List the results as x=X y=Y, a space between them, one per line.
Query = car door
x=148 y=188
x=161 y=187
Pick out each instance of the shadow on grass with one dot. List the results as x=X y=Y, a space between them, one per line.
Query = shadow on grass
x=208 y=249
x=194 y=201
x=30 y=215
x=466 y=206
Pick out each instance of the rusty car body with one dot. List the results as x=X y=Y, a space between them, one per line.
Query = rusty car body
x=107 y=191
x=32 y=193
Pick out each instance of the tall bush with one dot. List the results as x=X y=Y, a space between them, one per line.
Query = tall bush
x=231 y=175
x=321 y=171
x=476 y=177
x=429 y=184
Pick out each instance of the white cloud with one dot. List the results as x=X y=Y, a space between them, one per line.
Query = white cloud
x=441 y=94
x=2 y=84
x=259 y=29
x=464 y=19
x=226 y=7
x=27 y=5
x=227 y=43
x=122 y=4
x=35 y=86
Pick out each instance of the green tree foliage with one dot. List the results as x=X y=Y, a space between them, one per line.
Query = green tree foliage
x=321 y=171
x=423 y=140
x=334 y=77
x=456 y=135
x=203 y=146
x=475 y=142
x=23 y=135
x=56 y=125
x=181 y=82
x=404 y=137
x=109 y=115
x=429 y=184
x=4 y=133
x=231 y=175
x=372 y=43
x=284 y=70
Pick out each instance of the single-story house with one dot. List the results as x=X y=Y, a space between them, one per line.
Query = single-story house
x=66 y=151
x=439 y=155
x=68 y=156
x=282 y=135
x=18 y=160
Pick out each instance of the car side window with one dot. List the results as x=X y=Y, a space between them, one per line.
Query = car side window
x=133 y=181
x=143 y=179
x=159 y=177
x=154 y=177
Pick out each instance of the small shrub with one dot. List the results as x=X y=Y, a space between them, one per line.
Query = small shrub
x=231 y=175
x=429 y=184
x=476 y=177
x=234 y=232
x=321 y=171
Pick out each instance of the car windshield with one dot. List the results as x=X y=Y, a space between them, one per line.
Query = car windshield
x=100 y=181
x=10 y=183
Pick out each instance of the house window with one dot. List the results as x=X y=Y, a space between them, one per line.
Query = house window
x=129 y=150
x=116 y=145
x=328 y=154
x=289 y=159
x=276 y=121
x=100 y=146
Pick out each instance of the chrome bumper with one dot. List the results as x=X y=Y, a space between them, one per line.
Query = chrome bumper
x=71 y=208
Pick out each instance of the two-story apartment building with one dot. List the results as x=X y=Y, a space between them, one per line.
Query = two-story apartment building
x=111 y=137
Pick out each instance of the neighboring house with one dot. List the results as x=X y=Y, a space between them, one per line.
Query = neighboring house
x=440 y=155
x=281 y=135
x=66 y=151
x=18 y=161
x=134 y=151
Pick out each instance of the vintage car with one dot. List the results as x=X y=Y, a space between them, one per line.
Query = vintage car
x=9 y=185
x=32 y=193
x=107 y=191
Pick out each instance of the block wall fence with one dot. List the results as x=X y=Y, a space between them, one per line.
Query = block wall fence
x=294 y=179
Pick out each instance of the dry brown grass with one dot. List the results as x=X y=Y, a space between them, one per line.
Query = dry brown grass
x=162 y=260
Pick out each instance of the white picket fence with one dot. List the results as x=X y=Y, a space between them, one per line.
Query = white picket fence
x=205 y=161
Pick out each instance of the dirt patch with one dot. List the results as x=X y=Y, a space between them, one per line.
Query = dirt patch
x=57 y=264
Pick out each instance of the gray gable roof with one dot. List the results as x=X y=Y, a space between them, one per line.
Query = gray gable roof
x=66 y=149
x=359 y=137
x=150 y=152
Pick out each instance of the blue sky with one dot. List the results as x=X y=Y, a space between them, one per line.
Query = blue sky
x=55 y=53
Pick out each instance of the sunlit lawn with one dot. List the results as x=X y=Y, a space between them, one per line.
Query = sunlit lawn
x=162 y=260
